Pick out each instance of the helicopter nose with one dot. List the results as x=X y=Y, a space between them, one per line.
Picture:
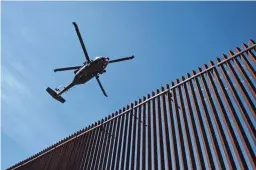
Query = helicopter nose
x=104 y=62
x=106 y=59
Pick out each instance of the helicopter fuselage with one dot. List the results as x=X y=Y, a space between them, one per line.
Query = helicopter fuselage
x=88 y=71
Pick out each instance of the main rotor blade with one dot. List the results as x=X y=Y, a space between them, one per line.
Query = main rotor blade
x=66 y=68
x=81 y=41
x=121 y=59
x=97 y=77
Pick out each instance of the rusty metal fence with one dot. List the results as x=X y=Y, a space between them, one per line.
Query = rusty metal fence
x=206 y=120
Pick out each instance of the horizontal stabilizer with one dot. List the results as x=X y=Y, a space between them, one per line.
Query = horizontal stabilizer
x=54 y=95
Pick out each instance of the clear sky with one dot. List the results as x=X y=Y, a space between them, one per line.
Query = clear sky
x=168 y=40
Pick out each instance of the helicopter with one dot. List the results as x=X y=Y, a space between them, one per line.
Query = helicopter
x=84 y=73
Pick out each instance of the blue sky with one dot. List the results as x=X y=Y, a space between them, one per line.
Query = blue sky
x=168 y=40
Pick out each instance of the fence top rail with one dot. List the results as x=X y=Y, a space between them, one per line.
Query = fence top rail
x=86 y=130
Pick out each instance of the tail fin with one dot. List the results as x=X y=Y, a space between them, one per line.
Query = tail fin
x=55 y=95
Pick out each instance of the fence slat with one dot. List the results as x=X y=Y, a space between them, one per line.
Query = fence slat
x=150 y=159
x=160 y=131
x=191 y=158
x=247 y=64
x=241 y=88
x=202 y=102
x=47 y=159
x=226 y=121
x=216 y=121
x=197 y=149
x=53 y=160
x=133 y=135
x=88 y=151
x=65 y=164
x=118 y=157
x=166 y=132
x=77 y=144
x=104 y=129
x=175 y=156
x=234 y=115
x=80 y=153
x=106 y=152
x=239 y=102
x=250 y=54
x=113 y=140
x=124 y=142
x=138 y=136
x=143 y=139
x=155 y=151
x=183 y=158
x=245 y=76
x=118 y=131
x=93 y=148
x=131 y=115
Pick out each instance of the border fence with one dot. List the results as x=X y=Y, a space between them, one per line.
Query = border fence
x=206 y=120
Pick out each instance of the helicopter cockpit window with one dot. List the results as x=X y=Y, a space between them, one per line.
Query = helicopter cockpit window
x=97 y=58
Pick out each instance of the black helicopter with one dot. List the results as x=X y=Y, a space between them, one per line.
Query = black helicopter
x=84 y=73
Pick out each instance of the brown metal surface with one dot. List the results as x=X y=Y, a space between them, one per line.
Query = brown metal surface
x=227 y=124
x=93 y=148
x=124 y=142
x=234 y=115
x=118 y=157
x=191 y=159
x=110 y=144
x=87 y=151
x=104 y=129
x=216 y=121
x=209 y=125
x=116 y=142
x=204 y=121
x=250 y=54
x=160 y=132
x=175 y=157
x=111 y=149
x=97 y=150
x=106 y=147
x=133 y=141
x=149 y=115
x=155 y=151
x=248 y=65
x=80 y=152
x=66 y=156
x=143 y=139
x=193 y=131
x=166 y=132
x=241 y=88
x=183 y=158
x=77 y=144
x=129 y=138
x=202 y=131
x=138 y=136
x=239 y=103
x=244 y=75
